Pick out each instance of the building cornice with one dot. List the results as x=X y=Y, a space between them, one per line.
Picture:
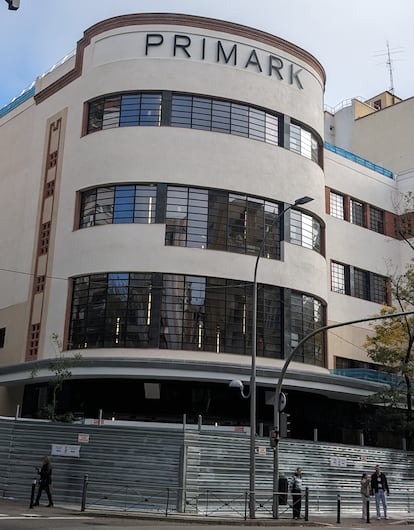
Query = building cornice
x=322 y=382
x=140 y=19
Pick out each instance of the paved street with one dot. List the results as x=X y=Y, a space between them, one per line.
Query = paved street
x=17 y=516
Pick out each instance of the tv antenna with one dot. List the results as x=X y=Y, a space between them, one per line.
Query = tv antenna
x=389 y=62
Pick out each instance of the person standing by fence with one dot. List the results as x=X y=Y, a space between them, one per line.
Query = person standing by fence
x=379 y=486
x=45 y=481
x=365 y=492
x=296 y=490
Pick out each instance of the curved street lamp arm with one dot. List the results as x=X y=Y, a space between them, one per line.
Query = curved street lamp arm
x=276 y=415
x=324 y=328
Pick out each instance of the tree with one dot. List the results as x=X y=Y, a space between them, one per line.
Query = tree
x=392 y=346
x=60 y=367
x=404 y=207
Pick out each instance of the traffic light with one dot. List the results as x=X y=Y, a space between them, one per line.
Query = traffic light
x=284 y=425
x=13 y=4
x=274 y=438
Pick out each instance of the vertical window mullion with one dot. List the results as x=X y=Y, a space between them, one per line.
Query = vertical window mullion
x=166 y=108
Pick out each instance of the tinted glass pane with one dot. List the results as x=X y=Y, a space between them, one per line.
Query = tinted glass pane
x=150 y=109
x=104 y=205
x=237 y=221
x=95 y=116
x=176 y=216
x=254 y=224
x=130 y=110
x=201 y=118
x=111 y=113
x=220 y=119
x=145 y=204
x=181 y=111
x=88 y=208
x=240 y=120
x=124 y=204
x=197 y=218
x=361 y=284
x=377 y=220
x=271 y=247
x=357 y=213
x=217 y=219
x=379 y=289
x=257 y=124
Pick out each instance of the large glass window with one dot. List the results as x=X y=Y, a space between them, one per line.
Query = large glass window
x=175 y=311
x=338 y=278
x=118 y=204
x=361 y=284
x=305 y=230
x=224 y=116
x=379 y=289
x=227 y=221
x=303 y=142
x=201 y=112
x=124 y=110
x=111 y=310
x=356 y=212
x=346 y=279
x=337 y=206
x=376 y=219
x=198 y=217
x=306 y=316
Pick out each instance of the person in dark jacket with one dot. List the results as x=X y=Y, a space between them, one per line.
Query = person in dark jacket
x=45 y=481
x=379 y=486
x=296 y=490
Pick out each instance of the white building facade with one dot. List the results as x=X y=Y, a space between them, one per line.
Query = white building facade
x=142 y=177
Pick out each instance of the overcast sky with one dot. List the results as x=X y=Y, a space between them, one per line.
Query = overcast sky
x=349 y=37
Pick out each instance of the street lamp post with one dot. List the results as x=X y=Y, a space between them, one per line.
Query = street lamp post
x=252 y=392
x=276 y=409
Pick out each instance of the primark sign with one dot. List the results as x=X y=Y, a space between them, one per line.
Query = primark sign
x=223 y=52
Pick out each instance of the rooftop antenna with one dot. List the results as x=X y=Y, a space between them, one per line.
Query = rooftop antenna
x=389 y=64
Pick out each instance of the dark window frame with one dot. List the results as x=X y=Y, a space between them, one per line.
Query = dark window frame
x=362 y=284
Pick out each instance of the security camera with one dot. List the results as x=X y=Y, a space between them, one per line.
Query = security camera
x=236 y=383
x=13 y=4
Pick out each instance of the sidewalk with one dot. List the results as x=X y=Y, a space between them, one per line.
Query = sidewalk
x=12 y=507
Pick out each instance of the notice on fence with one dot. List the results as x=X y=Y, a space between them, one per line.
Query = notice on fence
x=66 y=450
x=338 y=461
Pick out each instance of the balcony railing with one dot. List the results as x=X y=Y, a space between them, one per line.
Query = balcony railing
x=359 y=160
x=368 y=375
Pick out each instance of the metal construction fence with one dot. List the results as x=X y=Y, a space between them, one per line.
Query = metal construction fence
x=173 y=469
x=225 y=502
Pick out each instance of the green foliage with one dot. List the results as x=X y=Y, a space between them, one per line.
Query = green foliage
x=405 y=209
x=391 y=343
x=61 y=369
x=392 y=346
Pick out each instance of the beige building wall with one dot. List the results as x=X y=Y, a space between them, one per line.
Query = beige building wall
x=386 y=137
x=112 y=61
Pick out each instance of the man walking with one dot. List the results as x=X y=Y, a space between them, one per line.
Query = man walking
x=379 y=487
